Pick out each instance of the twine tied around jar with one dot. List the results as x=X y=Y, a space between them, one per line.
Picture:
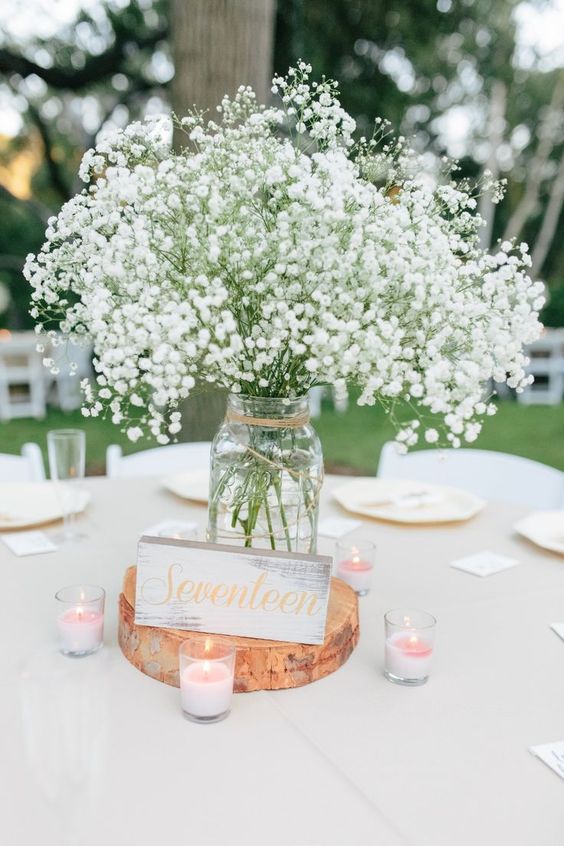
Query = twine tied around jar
x=268 y=422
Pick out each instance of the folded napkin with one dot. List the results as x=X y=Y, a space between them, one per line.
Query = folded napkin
x=416 y=498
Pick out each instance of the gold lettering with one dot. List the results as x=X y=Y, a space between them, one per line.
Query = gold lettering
x=184 y=590
x=169 y=585
x=258 y=585
x=266 y=600
x=304 y=598
x=233 y=593
x=312 y=610
x=288 y=600
x=202 y=587
x=225 y=595
x=218 y=592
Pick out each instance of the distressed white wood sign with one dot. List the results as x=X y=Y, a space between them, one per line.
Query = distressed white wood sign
x=232 y=590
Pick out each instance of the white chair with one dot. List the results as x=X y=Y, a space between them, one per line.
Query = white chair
x=547 y=366
x=22 y=377
x=317 y=394
x=491 y=475
x=27 y=467
x=161 y=461
x=67 y=393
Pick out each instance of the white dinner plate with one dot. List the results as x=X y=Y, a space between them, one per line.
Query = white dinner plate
x=193 y=486
x=25 y=504
x=545 y=528
x=404 y=501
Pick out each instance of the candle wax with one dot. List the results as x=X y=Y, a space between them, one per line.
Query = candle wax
x=206 y=689
x=408 y=655
x=81 y=630
x=356 y=573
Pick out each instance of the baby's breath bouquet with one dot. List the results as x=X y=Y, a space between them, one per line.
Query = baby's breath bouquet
x=275 y=253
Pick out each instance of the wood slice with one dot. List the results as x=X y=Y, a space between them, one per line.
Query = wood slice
x=260 y=664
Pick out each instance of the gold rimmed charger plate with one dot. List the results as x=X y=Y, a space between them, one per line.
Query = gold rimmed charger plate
x=374 y=498
x=27 y=504
x=545 y=529
x=193 y=486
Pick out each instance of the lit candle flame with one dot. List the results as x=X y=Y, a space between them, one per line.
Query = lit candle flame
x=208 y=645
x=206 y=668
x=80 y=612
x=413 y=639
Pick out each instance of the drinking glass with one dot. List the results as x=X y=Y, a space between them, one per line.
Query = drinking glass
x=67 y=453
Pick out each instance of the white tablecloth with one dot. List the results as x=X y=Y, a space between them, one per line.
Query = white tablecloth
x=347 y=761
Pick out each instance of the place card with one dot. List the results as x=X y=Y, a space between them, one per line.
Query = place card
x=220 y=589
x=28 y=543
x=558 y=628
x=552 y=754
x=336 y=527
x=484 y=563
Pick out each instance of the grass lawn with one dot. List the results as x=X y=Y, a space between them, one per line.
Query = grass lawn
x=354 y=439
x=351 y=441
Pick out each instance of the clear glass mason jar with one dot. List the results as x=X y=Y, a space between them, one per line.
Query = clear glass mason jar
x=266 y=475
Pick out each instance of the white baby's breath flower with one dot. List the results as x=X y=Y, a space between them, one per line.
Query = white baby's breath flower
x=245 y=263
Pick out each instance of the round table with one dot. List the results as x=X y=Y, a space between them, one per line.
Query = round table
x=94 y=750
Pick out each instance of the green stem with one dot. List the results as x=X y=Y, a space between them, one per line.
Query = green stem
x=241 y=494
x=269 y=521
x=214 y=503
x=278 y=489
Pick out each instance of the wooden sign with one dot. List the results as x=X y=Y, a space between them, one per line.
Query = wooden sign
x=232 y=590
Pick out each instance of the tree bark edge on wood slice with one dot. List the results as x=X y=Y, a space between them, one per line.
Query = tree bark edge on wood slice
x=260 y=664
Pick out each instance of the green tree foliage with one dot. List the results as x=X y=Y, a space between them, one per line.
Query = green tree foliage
x=437 y=69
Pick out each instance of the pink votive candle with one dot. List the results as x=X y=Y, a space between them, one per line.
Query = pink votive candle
x=80 y=621
x=355 y=564
x=409 y=646
x=206 y=667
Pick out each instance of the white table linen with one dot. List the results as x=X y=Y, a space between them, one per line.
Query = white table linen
x=346 y=761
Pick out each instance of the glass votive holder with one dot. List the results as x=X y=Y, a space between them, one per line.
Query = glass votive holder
x=80 y=619
x=207 y=668
x=355 y=563
x=410 y=640
x=181 y=531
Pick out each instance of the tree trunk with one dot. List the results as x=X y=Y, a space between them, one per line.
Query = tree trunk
x=218 y=45
x=496 y=126
x=548 y=134
x=549 y=222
